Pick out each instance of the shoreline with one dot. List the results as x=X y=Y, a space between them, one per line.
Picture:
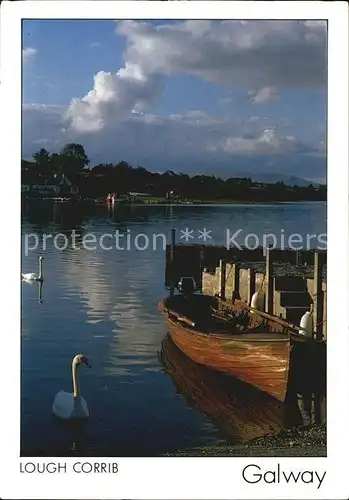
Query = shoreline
x=181 y=203
x=305 y=441
x=226 y=202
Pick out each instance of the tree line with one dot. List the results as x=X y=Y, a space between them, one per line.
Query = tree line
x=124 y=178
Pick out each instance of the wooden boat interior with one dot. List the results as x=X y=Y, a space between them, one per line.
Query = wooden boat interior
x=209 y=314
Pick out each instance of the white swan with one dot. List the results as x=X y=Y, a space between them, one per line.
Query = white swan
x=72 y=405
x=34 y=276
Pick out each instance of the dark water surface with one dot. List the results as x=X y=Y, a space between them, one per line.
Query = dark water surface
x=103 y=303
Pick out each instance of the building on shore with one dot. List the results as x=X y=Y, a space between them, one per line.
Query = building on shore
x=47 y=185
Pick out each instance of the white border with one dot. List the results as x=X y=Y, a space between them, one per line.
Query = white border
x=174 y=478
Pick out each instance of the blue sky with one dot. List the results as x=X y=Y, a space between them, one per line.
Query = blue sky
x=67 y=58
x=212 y=96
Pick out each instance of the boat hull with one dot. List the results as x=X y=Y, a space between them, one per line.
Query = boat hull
x=259 y=358
x=239 y=410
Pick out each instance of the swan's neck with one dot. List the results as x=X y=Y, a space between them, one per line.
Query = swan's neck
x=76 y=387
x=40 y=270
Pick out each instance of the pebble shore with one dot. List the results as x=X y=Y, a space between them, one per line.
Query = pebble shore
x=297 y=442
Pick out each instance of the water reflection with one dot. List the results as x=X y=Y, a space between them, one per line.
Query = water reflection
x=312 y=407
x=73 y=437
x=43 y=215
x=104 y=303
x=40 y=292
x=39 y=285
x=307 y=381
x=238 y=410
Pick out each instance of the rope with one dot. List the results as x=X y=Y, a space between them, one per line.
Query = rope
x=321 y=323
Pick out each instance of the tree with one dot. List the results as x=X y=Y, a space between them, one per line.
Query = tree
x=74 y=158
x=56 y=163
x=42 y=159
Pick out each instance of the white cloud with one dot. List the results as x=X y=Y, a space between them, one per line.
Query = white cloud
x=41 y=142
x=263 y=95
x=225 y=101
x=94 y=45
x=187 y=142
x=269 y=142
x=196 y=118
x=151 y=136
x=41 y=126
x=28 y=53
x=114 y=96
x=261 y=54
x=114 y=120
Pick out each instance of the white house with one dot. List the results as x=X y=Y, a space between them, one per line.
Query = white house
x=139 y=194
x=45 y=188
x=66 y=186
x=57 y=184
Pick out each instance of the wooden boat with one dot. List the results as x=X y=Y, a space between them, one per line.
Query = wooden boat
x=238 y=410
x=233 y=338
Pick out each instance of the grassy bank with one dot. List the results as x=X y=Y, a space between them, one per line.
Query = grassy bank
x=297 y=442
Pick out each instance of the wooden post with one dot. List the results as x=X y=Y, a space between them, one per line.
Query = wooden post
x=318 y=295
x=172 y=252
x=173 y=242
x=317 y=407
x=222 y=272
x=269 y=296
x=201 y=264
x=236 y=281
x=251 y=286
x=298 y=258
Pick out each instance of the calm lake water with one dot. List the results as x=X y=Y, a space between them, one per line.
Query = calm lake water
x=144 y=397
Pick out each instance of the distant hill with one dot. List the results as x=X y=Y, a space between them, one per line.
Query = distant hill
x=290 y=180
x=289 y=169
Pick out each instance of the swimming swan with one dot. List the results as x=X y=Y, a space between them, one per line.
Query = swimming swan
x=35 y=276
x=72 y=405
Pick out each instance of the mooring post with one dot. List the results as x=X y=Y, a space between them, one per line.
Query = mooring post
x=269 y=296
x=235 y=281
x=318 y=296
x=222 y=281
x=251 y=284
x=172 y=252
x=201 y=263
x=297 y=257
x=317 y=407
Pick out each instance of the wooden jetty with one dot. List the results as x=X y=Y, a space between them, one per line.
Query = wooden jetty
x=291 y=285
x=292 y=281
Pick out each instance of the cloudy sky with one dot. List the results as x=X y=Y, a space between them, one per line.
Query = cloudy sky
x=211 y=96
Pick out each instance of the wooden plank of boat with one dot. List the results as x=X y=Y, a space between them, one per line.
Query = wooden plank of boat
x=239 y=410
x=259 y=357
